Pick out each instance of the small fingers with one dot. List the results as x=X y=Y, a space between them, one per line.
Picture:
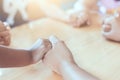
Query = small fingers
x=5 y=37
x=53 y=40
x=7 y=40
x=107 y=31
x=107 y=28
x=1 y=42
x=40 y=48
x=83 y=19
x=5 y=33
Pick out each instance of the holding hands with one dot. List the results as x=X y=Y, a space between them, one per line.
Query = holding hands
x=58 y=54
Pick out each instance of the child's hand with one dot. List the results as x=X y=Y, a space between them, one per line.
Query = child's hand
x=111 y=27
x=58 y=54
x=80 y=18
x=39 y=49
x=5 y=36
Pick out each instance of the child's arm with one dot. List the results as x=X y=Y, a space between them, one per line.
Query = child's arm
x=19 y=57
x=14 y=57
x=60 y=59
x=53 y=11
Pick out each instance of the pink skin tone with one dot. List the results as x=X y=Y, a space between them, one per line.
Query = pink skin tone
x=80 y=18
x=5 y=36
x=54 y=53
x=60 y=60
x=58 y=57
x=111 y=27
x=80 y=13
x=111 y=24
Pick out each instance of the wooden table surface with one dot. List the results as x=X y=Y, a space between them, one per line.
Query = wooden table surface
x=90 y=50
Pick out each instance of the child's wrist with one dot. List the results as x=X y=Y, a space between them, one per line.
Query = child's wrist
x=65 y=64
x=30 y=56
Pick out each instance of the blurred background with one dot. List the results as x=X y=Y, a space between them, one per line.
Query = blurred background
x=17 y=12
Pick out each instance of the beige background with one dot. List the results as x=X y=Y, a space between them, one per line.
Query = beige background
x=90 y=50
